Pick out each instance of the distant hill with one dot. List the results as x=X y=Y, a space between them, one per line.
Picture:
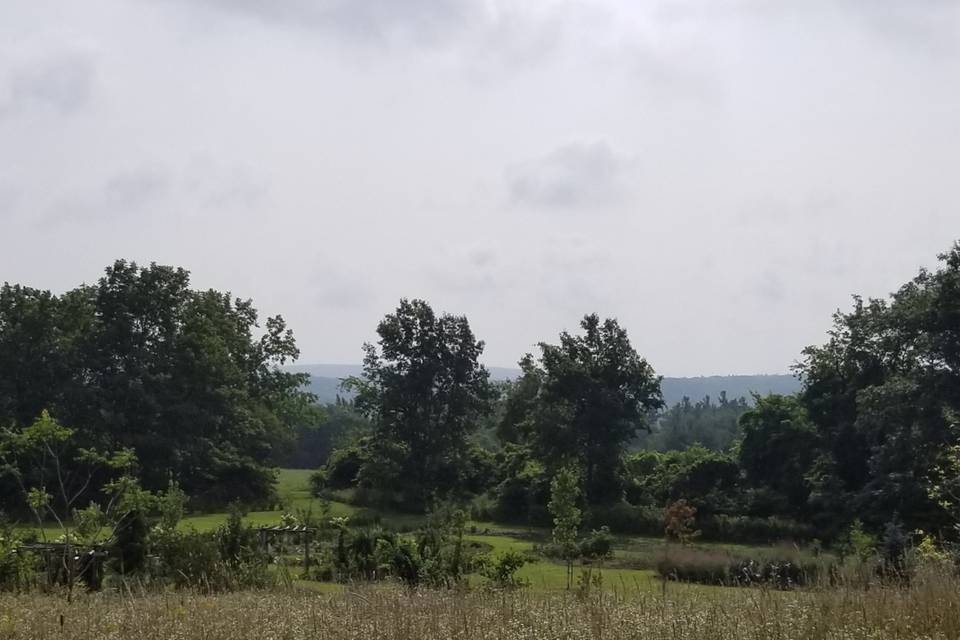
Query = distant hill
x=674 y=389
x=325 y=383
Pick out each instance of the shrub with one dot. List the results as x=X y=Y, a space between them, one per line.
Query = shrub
x=598 y=545
x=623 y=517
x=223 y=560
x=341 y=469
x=16 y=569
x=188 y=560
x=483 y=508
x=501 y=571
x=780 y=568
x=693 y=565
x=129 y=552
x=857 y=542
x=754 y=530
x=679 y=521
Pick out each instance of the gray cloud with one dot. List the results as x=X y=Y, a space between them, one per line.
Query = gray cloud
x=132 y=190
x=334 y=287
x=342 y=295
x=378 y=20
x=214 y=185
x=122 y=195
x=806 y=149
x=575 y=175
x=483 y=39
x=928 y=25
x=61 y=81
x=467 y=272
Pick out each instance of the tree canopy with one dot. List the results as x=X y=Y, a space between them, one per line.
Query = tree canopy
x=583 y=400
x=187 y=379
x=424 y=391
x=883 y=393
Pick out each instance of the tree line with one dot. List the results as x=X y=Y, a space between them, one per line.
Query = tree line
x=168 y=385
x=872 y=435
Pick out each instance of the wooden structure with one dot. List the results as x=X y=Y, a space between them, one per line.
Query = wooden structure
x=63 y=563
x=270 y=538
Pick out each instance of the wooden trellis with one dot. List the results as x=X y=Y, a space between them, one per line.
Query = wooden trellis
x=267 y=536
x=64 y=563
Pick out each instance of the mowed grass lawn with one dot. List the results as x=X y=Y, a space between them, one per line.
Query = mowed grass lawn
x=293 y=488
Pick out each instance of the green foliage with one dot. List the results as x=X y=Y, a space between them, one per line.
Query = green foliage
x=882 y=394
x=140 y=362
x=129 y=548
x=501 y=570
x=238 y=545
x=752 y=529
x=524 y=487
x=564 y=498
x=707 y=423
x=436 y=555
x=593 y=394
x=778 y=448
x=597 y=545
x=857 y=542
x=171 y=506
x=444 y=559
x=54 y=475
x=225 y=559
x=16 y=569
x=706 y=479
x=88 y=523
x=342 y=467
x=423 y=390
x=321 y=432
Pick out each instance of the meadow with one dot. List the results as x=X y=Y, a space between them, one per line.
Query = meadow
x=926 y=609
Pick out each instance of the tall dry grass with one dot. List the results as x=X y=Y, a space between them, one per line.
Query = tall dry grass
x=930 y=608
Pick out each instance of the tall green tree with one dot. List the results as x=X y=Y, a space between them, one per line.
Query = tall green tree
x=881 y=393
x=41 y=337
x=593 y=394
x=424 y=391
x=778 y=448
x=187 y=379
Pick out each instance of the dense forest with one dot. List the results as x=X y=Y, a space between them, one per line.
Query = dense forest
x=141 y=381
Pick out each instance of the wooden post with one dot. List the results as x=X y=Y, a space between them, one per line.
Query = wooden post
x=307 y=535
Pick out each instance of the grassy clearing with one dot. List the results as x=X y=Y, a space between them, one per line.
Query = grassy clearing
x=928 y=609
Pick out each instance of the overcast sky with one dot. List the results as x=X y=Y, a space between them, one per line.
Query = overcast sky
x=719 y=175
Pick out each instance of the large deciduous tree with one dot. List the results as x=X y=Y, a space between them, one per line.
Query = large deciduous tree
x=185 y=378
x=593 y=392
x=778 y=448
x=882 y=393
x=424 y=390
